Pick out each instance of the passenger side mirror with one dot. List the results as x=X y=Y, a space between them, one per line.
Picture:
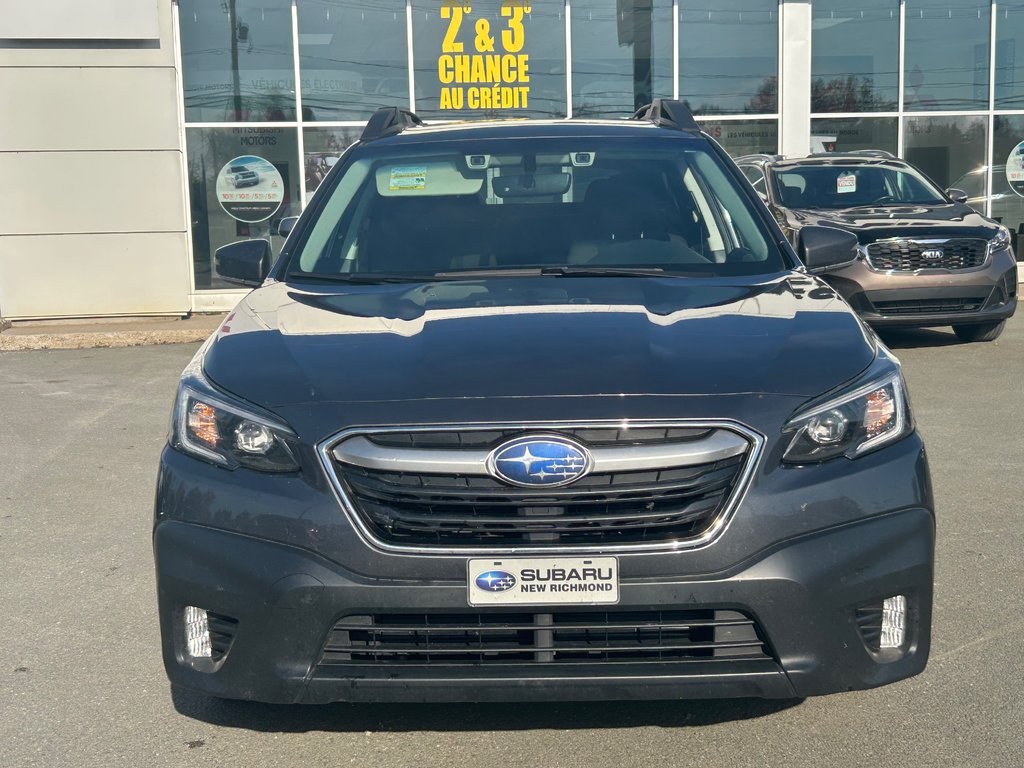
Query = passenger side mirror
x=956 y=195
x=823 y=249
x=244 y=263
x=286 y=225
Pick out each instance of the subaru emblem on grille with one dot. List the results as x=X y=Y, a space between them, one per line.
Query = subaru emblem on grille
x=933 y=254
x=539 y=462
x=495 y=581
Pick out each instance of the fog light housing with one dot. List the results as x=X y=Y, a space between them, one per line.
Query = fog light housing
x=884 y=625
x=197 y=633
x=894 y=622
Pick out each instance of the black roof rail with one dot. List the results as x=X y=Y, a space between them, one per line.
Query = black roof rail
x=877 y=153
x=389 y=121
x=667 y=113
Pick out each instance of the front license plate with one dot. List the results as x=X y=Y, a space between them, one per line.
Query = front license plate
x=544 y=581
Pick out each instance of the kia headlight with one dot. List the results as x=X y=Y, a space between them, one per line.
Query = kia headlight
x=851 y=424
x=1000 y=242
x=211 y=426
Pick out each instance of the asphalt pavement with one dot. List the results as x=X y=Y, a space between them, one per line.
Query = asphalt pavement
x=81 y=681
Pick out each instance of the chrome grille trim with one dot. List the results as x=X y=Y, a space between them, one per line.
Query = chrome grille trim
x=754 y=449
x=718 y=445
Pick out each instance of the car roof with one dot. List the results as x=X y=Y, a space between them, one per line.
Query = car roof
x=829 y=158
x=518 y=128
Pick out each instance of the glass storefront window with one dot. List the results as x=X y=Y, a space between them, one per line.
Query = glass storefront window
x=946 y=59
x=1009 y=71
x=236 y=60
x=851 y=134
x=945 y=148
x=1008 y=175
x=729 y=56
x=744 y=137
x=322 y=148
x=242 y=182
x=855 y=56
x=352 y=58
x=621 y=55
x=489 y=58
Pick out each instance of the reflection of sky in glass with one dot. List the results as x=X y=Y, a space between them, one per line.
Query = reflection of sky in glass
x=352 y=57
x=855 y=55
x=609 y=67
x=728 y=58
x=947 y=57
x=1010 y=55
x=266 y=75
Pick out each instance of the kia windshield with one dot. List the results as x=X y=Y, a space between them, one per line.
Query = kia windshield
x=853 y=186
x=447 y=210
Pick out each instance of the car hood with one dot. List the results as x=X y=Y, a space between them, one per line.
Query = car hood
x=869 y=224
x=544 y=337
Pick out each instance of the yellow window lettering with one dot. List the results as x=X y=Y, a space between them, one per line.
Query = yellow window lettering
x=512 y=38
x=445 y=65
x=453 y=12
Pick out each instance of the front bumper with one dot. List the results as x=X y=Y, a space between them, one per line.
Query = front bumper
x=803 y=594
x=930 y=298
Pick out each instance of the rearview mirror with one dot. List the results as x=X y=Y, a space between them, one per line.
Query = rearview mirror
x=956 y=195
x=286 y=225
x=823 y=249
x=244 y=263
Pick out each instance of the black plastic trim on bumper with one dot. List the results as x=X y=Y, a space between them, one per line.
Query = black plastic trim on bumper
x=931 y=320
x=803 y=594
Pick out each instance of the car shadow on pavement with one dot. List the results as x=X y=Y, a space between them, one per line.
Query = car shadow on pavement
x=286 y=718
x=915 y=338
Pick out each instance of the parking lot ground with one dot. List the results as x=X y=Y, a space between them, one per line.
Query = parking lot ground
x=81 y=682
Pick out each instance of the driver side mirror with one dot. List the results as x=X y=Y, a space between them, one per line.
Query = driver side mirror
x=286 y=225
x=243 y=263
x=823 y=249
x=956 y=195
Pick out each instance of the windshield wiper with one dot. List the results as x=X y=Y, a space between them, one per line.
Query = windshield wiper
x=362 y=278
x=585 y=271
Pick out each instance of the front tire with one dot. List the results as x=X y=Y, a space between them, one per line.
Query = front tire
x=979 y=331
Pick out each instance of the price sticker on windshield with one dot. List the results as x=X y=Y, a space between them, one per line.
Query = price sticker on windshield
x=845 y=183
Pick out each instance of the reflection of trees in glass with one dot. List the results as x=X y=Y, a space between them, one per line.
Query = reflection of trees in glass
x=764 y=101
x=848 y=94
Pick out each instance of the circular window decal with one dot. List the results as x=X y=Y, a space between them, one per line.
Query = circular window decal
x=250 y=189
x=1015 y=169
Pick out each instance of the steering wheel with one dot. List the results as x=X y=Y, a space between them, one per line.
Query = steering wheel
x=883 y=199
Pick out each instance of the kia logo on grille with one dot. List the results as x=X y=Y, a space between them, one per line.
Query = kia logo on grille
x=932 y=255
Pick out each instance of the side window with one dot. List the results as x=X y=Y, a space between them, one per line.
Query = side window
x=715 y=241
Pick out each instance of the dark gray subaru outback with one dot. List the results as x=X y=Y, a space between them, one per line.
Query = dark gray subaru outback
x=541 y=410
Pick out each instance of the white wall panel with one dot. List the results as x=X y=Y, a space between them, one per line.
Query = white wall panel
x=79 y=192
x=80 y=19
x=79 y=275
x=88 y=108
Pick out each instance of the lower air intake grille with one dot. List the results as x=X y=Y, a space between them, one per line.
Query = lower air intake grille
x=929 y=306
x=544 y=638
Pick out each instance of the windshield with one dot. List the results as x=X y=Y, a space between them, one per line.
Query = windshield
x=454 y=209
x=852 y=186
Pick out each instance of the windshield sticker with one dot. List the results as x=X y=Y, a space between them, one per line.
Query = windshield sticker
x=250 y=189
x=1015 y=169
x=846 y=182
x=407 y=177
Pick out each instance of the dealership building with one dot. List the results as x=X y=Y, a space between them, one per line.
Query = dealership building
x=138 y=136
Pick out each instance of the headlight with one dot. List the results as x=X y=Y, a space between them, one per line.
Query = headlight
x=210 y=426
x=850 y=425
x=1000 y=242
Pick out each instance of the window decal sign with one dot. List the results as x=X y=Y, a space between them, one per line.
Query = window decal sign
x=1015 y=169
x=846 y=183
x=482 y=64
x=250 y=189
